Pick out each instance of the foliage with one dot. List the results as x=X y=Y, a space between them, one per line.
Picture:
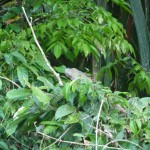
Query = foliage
x=74 y=108
x=142 y=33
x=36 y=112
x=138 y=79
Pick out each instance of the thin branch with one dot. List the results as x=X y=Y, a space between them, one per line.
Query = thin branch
x=97 y=124
x=75 y=143
x=121 y=140
x=109 y=136
x=41 y=50
x=58 y=138
x=10 y=81
x=16 y=139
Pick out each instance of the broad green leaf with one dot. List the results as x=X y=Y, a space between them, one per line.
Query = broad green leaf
x=2 y=115
x=7 y=16
x=64 y=110
x=33 y=69
x=61 y=23
x=41 y=62
x=82 y=97
x=37 y=5
x=19 y=56
x=86 y=48
x=51 y=123
x=0 y=84
x=66 y=90
x=145 y=101
x=25 y=44
x=78 y=135
x=8 y=58
x=61 y=69
x=18 y=94
x=48 y=84
x=3 y=145
x=15 y=27
x=57 y=51
x=139 y=123
x=133 y=127
x=50 y=129
x=11 y=130
x=120 y=135
x=22 y=75
x=72 y=119
x=41 y=96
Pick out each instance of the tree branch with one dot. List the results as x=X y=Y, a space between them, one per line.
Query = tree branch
x=10 y=81
x=41 y=50
x=97 y=124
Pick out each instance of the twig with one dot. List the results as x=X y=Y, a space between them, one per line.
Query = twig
x=41 y=50
x=10 y=81
x=109 y=136
x=75 y=143
x=17 y=139
x=41 y=143
x=58 y=139
x=97 y=124
x=121 y=140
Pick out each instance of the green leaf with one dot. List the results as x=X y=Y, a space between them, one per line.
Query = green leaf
x=145 y=101
x=1 y=84
x=57 y=51
x=82 y=97
x=64 y=111
x=50 y=129
x=51 y=123
x=15 y=27
x=11 y=130
x=48 y=84
x=22 y=75
x=19 y=56
x=33 y=69
x=18 y=93
x=3 y=145
x=61 y=23
x=78 y=135
x=133 y=127
x=139 y=123
x=8 y=58
x=61 y=69
x=86 y=49
x=41 y=62
x=72 y=119
x=66 y=91
x=41 y=96
x=37 y=5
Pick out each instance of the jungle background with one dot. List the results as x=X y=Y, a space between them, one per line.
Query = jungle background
x=74 y=74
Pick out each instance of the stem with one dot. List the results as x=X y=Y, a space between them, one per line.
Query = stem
x=41 y=50
x=97 y=124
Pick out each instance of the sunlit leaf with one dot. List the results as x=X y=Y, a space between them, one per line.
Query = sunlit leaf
x=64 y=110
x=57 y=51
x=22 y=75
x=18 y=94
x=41 y=96
x=50 y=129
x=1 y=84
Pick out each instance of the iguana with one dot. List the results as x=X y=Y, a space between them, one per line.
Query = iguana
x=75 y=74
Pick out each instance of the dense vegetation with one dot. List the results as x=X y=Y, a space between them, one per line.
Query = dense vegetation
x=47 y=104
